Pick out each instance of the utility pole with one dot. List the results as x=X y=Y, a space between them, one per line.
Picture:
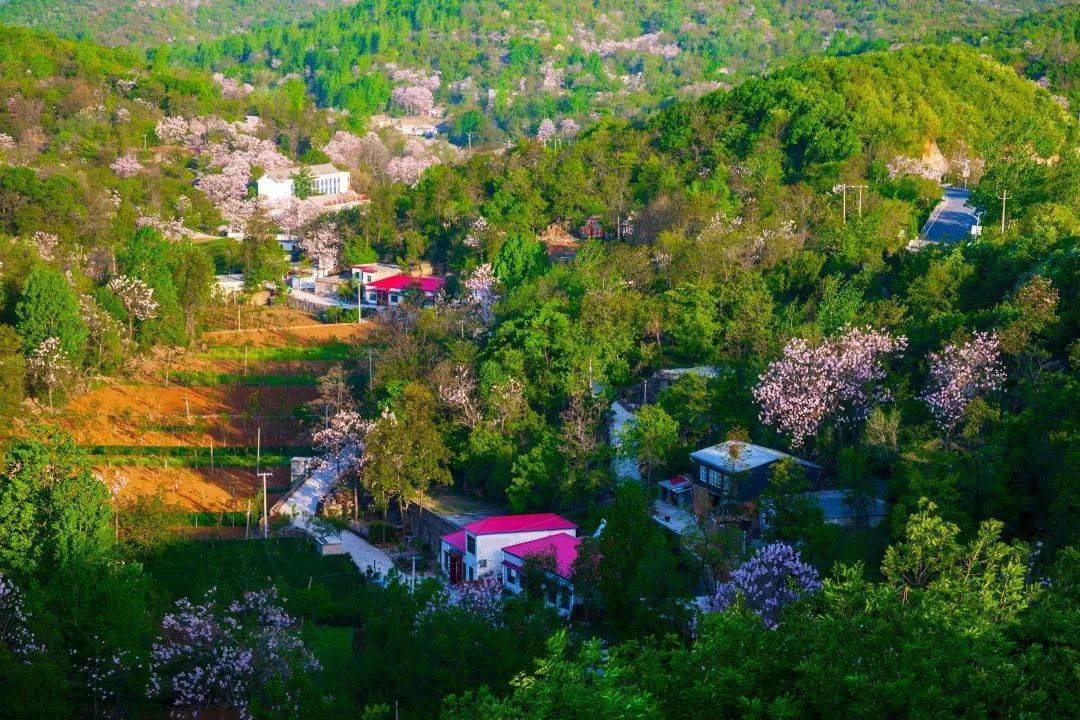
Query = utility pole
x=843 y=190
x=860 y=188
x=359 y=305
x=266 y=516
x=1004 y=197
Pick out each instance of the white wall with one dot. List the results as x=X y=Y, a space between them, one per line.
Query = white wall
x=489 y=547
x=272 y=189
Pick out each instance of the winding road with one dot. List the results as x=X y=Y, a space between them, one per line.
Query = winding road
x=952 y=219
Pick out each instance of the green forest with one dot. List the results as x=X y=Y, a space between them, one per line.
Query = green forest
x=756 y=203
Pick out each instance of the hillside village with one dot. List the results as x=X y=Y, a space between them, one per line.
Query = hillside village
x=560 y=363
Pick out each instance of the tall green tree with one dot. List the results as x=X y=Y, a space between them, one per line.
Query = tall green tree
x=48 y=307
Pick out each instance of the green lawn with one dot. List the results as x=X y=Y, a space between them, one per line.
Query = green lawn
x=335 y=351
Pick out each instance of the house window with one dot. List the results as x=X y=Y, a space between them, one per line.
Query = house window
x=511 y=576
x=470 y=544
x=482 y=563
x=471 y=573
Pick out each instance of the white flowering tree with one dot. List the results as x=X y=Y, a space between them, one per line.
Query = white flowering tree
x=839 y=379
x=137 y=298
x=48 y=366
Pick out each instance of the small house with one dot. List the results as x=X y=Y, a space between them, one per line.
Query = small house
x=393 y=290
x=476 y=550
x=593 y=229
x=734 y=472
x=229 y=286
x=553 y=556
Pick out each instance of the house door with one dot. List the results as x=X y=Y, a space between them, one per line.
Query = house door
x=457 y=568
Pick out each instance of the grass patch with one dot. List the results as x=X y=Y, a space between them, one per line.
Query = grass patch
x=195 y=378
x=335 y=351
x=195 y=457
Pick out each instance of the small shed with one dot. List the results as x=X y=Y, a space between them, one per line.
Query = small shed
x=329 y=545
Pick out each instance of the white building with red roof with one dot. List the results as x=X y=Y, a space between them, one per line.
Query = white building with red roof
x=383 y=285
x=555 y=555
x=477 y=550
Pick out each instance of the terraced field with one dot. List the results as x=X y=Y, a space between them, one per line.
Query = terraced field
x=188 y=425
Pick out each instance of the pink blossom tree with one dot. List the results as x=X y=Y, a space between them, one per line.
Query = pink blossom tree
x=416 y=99
x=481 y=286
x=959 y=374
x=408 y=169
x=212 y=656
x=126 y=166
x=840 y=378
x=323 y=247
x=546 y=131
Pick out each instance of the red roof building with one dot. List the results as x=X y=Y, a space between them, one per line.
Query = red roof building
x=562 y=547
x=390 y=291
x=500 y=524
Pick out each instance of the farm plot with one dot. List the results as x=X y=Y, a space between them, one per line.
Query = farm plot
x=155 y=432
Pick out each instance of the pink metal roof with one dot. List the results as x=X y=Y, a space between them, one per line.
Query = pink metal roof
x=564 y=547
x=455 y=540
x=400 y=282
x=499 y=524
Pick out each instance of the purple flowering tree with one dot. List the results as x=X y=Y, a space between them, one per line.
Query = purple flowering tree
x=773 y=577
x=840 y=378
x=959 y=374
x=483 y=597
x=15 y=633
x=211 y=656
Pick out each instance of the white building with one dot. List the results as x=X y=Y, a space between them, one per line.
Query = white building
x=326 y=179
x=476 y=550
x=559 y=551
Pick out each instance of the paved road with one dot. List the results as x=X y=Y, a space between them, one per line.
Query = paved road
x=625 y=468
x=952 y=219
x=303 y=502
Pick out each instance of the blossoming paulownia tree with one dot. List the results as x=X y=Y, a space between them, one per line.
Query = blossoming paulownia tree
x=210 y=655
x=839 y=378
x=959 y=374
x=773 y=577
